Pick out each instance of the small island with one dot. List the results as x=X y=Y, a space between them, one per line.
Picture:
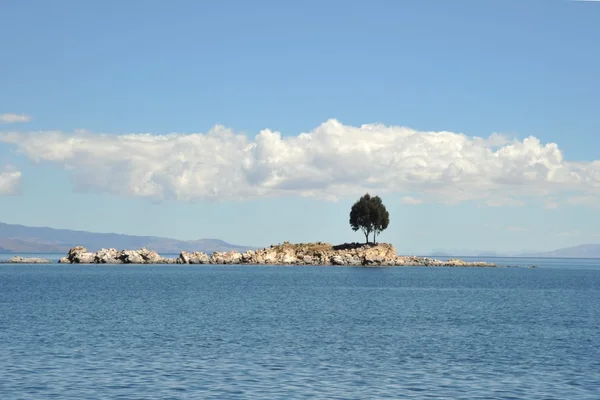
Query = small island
x=368 y=214
x=25 y=260
x=315 y=254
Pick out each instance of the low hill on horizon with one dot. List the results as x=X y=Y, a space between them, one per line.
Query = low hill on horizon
x=581 y=251
x=26 y=239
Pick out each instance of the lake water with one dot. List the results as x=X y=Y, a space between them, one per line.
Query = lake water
x=239 y=332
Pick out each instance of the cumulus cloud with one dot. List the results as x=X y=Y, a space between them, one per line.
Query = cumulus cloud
x=14 y=118
x=550 y=204
x=10 y=179
x=332 y=161
x=505 y=201
x=572 y=233
x=410 y=200
x=586 y=200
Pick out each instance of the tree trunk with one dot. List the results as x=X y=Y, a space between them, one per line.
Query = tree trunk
x=374 y=234
x=367 y=237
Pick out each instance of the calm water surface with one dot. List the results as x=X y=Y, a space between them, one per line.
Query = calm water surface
x=215 y=332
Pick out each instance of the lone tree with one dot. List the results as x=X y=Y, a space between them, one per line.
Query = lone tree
x=369 y=215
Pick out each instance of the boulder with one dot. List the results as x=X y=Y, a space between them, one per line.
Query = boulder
x=249 y=257
x=308 y=260
x=75 y=250
x=382 y=254
x=353 y=260
x=108 y=256
x=184 y=258
x=196 y=257
x=288 y=257
x=337 y=260
x=229 y=257
x=270 y=256
x=150 y=256
x=132 y=257
x=80 y=255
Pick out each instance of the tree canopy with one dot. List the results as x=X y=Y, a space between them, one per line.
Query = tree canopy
x=369 y=215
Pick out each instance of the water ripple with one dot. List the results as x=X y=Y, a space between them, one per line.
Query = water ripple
x=240 y=332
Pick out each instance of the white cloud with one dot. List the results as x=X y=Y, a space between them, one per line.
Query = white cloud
x=331 y=161
x=550 y=204
x=572 y=233
x=14 y=118
x=505 y=201
x=10 y=179
x=410 y=200
x=511 y=228
x=588 y=201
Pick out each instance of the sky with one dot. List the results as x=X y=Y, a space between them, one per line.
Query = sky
x=476 y=122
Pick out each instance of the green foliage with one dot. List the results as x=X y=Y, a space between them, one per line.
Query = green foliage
x=369 y=215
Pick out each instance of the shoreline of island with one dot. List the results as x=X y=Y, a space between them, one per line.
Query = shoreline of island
x=286 y=254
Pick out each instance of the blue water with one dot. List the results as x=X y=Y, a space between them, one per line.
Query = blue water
x=235 y=332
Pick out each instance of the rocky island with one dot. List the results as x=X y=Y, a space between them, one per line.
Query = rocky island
x=368 y=214
x=25 y=260
x=322 y=254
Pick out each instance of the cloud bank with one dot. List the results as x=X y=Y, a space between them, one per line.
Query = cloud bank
x=332 y=161
x=14 y=118
x=10 y=179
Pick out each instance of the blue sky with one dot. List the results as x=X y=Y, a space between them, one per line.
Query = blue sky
x=278 y=115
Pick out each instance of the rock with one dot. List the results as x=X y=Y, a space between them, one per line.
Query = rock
x=75 y=250
x=108 y=256
x=381 y=254
x=142 y=256
x=308 y=260
x=430 y=262
x=456 y=263
x=399 y=261
x=132 y=257
x=184 y=258
x=353 y=260
x=150 y=256
x=26 y=260
x=337 y=260
x=350 y=254
x=80 y=255
x=249 y=257
x=83 y=257
x=288 y=257
x=270 y=256
x=230 y=257
x=196 y=257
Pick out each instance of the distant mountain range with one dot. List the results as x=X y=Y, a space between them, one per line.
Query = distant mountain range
x=24 y=239
x=581 y=251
